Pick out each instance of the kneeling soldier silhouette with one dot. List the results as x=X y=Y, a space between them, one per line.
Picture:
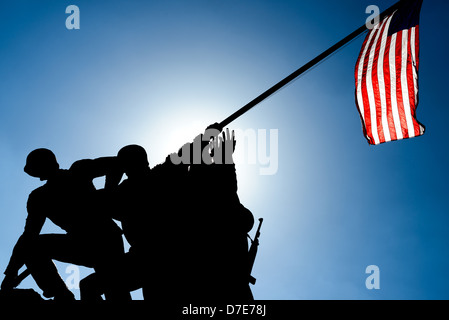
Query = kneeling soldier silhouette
x=92 y=239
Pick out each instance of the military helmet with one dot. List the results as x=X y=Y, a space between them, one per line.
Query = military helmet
x=132 y=156
x=40 y=163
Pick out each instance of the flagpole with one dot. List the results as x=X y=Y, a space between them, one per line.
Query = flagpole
x=305 y=67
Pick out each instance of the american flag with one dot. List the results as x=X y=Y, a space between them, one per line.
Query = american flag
x=386 y=76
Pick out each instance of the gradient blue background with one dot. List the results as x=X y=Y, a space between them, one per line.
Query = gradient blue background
x=156 y=73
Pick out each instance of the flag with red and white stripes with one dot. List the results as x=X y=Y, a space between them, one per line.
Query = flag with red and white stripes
x=386 y=76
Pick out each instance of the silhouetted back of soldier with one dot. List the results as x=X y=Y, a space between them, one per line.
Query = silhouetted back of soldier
x=143 y=222
x=170 y=228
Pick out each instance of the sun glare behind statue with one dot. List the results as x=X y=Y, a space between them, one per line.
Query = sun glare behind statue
x=183 y=128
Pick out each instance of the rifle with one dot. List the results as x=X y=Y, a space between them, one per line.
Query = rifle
x=21 y=277
x=253 y=251
x=14 y=282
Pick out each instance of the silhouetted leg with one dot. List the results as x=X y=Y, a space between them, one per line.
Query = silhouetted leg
x=102 y=254
x=90 y=288
x=42 y=268
x=125 y=277
x=110 y=268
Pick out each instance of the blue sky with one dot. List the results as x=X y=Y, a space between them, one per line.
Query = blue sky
x=156 y=73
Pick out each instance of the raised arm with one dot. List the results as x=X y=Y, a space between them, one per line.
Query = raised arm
x=94 y=168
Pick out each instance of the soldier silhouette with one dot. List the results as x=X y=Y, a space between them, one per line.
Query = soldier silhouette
x=222 y=225
x=145 y=204
x=70 y=200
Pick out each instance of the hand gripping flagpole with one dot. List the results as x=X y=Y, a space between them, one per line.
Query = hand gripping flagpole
x=305 y=67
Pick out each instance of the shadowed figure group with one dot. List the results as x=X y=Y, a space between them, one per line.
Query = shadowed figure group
x=183 y=219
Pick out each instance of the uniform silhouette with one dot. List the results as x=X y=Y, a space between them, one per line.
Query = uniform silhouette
x=70 y=200
x=144 y=203
x=222 y=224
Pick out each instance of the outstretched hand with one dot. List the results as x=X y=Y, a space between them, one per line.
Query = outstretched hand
x=223 y=147
x=229 y=140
